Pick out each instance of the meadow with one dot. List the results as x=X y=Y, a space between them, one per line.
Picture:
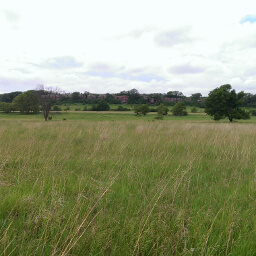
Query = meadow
x=116 y=184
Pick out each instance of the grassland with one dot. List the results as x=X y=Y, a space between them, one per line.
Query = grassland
x=92 y=186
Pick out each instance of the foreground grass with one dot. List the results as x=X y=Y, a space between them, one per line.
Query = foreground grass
x=127 y=188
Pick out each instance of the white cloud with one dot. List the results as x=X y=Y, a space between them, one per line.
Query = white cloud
x=101 y=46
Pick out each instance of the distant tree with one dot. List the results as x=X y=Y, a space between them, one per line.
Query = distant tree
x=134 y=96
x=121 y=108
x=86 y=93
x=249 y=100
x=75 y=97
x=162 y=109
x=196 y=96
x=9 y=97
x=6 y=107
x=26 y=103
x=175 y=94
x=102 y=106
x=179 y=109
x=194 y=109
x=47 y=97
x=253 y=112
x=141 y=109
x=224 y=102
x=157 y=98
x=56 y=108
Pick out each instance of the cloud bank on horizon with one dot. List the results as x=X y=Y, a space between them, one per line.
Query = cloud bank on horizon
x=110 y=46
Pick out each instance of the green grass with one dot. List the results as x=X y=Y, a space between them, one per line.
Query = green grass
x=91 y=186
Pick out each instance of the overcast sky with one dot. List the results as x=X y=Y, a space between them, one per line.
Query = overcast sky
x=113 y=45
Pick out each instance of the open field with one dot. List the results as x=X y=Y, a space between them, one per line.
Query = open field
x=91 y=186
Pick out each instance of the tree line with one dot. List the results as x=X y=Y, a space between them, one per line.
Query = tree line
x=222 y=102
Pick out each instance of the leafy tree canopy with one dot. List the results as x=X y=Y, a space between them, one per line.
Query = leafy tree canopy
x=224 y=102
x=141 y=109
x=175 y=94
x=26 y=102
x=162 y=109
x=179 y=109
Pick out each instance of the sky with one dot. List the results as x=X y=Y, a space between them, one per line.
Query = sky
x=103 y=46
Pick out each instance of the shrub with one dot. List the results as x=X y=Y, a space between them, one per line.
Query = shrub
x=194 y=109
x=141 y=109
x=162 y=109
x=101 y=106
x=179 y=109
x=121 y=108
x=253 y=112
x=56 y=108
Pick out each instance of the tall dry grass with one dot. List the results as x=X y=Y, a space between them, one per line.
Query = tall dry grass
x=127 y=188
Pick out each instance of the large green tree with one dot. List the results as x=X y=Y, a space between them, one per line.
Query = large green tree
x=223 y=102
x=26 y=103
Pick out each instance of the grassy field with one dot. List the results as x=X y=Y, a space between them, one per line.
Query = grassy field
x=133 y=186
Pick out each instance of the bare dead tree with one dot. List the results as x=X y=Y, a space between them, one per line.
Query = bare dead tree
x=47 y=97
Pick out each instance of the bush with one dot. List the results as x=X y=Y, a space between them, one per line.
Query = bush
x=77 y=109
x=194 y=109
x=162 y=109
x=253 y=112
x=121 y=108
x=141 y=109
x=101 y=106
x=179 y=109
x=56 y=108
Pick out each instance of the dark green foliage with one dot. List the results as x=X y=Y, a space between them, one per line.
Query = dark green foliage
x=101 y=106
x=26 y=103
x=253 y=112
x=56 y=108
x=6 y=107
x=249 y=100
x=141 y=109
x=194 y=109
x=134 y=96
x=162 y=110
x=75 y=97
x=121 y=108
x=196 y=96
x=175 y=94
x=9 y=97
x=224 y=102
x=179 y=109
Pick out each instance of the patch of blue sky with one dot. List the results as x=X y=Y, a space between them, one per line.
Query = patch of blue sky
x=248 y=18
